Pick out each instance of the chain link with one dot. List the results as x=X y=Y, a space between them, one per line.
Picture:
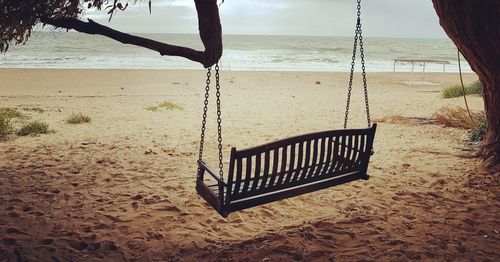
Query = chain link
x=358 y=37
x=351 y=76
x=363 y=67
x=204 y=119
x=219 y=119
x=219 y=122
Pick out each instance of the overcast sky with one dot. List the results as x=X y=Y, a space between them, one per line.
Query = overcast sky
x=386 y=18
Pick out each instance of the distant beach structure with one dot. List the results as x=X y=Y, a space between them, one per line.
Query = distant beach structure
x=420 y=62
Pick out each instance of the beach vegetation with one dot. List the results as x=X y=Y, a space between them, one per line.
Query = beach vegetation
x=479 y=131
x=78 y=118
x=7 y=112
x=457 y=117
x=32 y=128
x=33 y=108
x=457 y=90
x=166 y=105
x=405 y=120
x=476 y=88
x=6 y=127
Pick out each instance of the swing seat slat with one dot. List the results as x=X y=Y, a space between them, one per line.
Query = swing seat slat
x=287 y=168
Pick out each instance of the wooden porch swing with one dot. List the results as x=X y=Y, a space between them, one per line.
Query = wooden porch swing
x=289 y=167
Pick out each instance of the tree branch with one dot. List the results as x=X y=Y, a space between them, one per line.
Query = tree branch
x=208 y=23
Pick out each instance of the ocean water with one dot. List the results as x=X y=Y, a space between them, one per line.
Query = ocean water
x=241 y=52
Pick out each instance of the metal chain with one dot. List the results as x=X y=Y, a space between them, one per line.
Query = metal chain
x=363 y=68
x=204 y=119
x=357 y=37
x=219 y=122
x=353 y=63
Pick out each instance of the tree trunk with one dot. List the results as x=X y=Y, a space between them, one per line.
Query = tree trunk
x=473 y=25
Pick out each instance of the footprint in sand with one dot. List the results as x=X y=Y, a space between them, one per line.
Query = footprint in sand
x=317 y=255
x=15 y=231
x=137 y=197
x=289 y=250
x=267 y=212
x=100 y=226
x=169 y=209
x=75 y=244
x=154 y=235
x=137 y=245
x=13 y=214
x=439 y=183
x=86 y=228
x=37 y=213
x=469 y=222
x=412 y=194
x=9 y=241
x=152 y=200
x=46 y=242
x=409 y=216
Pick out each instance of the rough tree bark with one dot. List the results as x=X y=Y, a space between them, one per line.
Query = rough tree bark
x=208 y=24
x=474 y=26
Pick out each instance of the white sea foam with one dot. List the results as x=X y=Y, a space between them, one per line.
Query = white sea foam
x=241 y=52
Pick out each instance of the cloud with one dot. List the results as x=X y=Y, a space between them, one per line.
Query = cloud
x=188 y=3
x=176 y=17
x=391 y=18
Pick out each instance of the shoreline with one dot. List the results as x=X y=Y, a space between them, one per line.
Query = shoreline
x=232 y=70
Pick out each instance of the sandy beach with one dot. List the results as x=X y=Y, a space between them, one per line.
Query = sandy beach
x=121 y=188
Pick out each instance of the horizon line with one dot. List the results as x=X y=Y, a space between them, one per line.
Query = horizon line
x=237 y=34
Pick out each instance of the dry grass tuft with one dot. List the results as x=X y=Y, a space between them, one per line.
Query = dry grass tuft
x=166 y=105
x=7 y=112
x=6 y=127
x=398 y=119
x=34 y=128
x=479 y=131
x=456 y=117
x=7 y=116
x=456 y=90
x=77 y=118
x=394 y=119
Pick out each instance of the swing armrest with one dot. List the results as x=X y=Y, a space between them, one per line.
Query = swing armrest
x=210 y=171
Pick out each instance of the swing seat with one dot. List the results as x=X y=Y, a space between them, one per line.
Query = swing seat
x=287 y=168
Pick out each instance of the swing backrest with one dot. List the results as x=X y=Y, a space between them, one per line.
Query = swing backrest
x=287 y=165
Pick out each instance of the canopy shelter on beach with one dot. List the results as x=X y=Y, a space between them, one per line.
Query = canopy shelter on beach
x=422 y=62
